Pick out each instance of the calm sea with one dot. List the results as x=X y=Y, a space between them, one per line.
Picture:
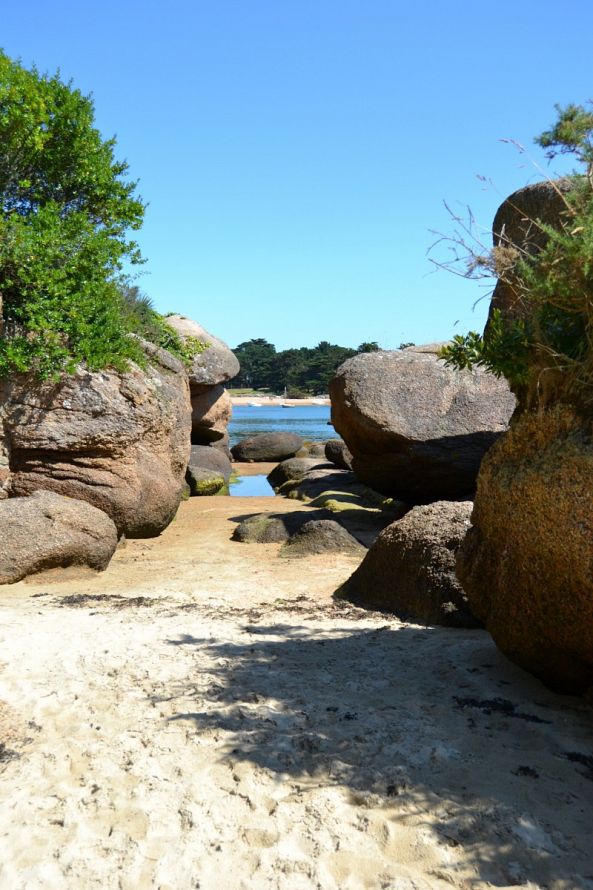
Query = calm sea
x=308 y=421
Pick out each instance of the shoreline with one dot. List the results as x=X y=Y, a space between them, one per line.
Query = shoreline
x=277 y=401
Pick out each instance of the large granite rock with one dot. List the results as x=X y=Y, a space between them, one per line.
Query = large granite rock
x=527 y=562
x=336 y=451
x=207 y=457
x=321 y=536
x=274 y=528
x=410 y=569
x=47 y=530
x=267 y=447
x=315 y=449
x=223 y=445
x=517 y=231
x=516 y=226
x=203 y=483
x=294 y=468
x=216 y=364
x=329 y=483
x=417 y=430
x=119 y=441
x=362 y=511
x=211 y=410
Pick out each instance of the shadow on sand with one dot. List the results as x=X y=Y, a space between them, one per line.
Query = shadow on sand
x=426 y=722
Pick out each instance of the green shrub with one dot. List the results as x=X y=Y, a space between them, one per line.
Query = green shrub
x=65 y=212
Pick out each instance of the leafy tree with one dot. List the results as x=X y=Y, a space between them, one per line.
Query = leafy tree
x=371 y=346
x=66 y=208
x=256 y=358
x=304 y=370
x=553 y=285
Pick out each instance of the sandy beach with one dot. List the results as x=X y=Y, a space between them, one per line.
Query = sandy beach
x=204 y=715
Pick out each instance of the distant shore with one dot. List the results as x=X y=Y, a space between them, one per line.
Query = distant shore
x=277 y=401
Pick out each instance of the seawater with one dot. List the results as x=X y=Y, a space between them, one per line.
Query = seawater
x=251 y=486
x=307 y=421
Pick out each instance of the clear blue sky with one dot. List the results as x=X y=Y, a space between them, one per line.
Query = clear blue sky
x=295 y=153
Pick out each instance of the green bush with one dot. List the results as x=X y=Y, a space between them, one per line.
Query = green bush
x=65 y=212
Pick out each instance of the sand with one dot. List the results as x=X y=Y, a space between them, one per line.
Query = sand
x=204 y=715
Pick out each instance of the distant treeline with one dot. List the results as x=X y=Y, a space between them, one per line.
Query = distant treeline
x=301 y=371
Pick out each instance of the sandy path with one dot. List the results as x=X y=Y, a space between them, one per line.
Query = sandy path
x=202 y=715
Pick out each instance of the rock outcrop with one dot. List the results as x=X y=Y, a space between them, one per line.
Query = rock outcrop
x=336 y=452
x=203 y=483
x=211 y=410
x=410 y=569
x=267 y=447
x=516 y=225
x=417 y=429
x=47 y=530
x=517 y=231
x=527 y=562
x=316 y=449
x=274 y=528
x=214 y=366
x=119 y=441
x=204 y=457
x=294 y=468
x=321 y=536
x=362 y=511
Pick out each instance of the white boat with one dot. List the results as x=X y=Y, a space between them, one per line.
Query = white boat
x=255 y=405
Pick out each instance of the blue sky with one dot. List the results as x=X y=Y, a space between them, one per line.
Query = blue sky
x=295 y=154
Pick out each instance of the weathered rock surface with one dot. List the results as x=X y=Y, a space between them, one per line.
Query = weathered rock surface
x=117 y=441
x=336 y=451
x=294 y=468
x=4 y=476
x=207 y=457
x=274 y=528
x=47 y=530
x=216 y=364
x=211 y=410
x=315 y=449
x=267 y=447
x=362 y=511
x=417 y=429
x=321 y=536
x=330 y=483
x=515 y=224
x=410 y=569
x=222 y=445
x=527 y=562
x=211 y=404
x=517 y=230
x=202 y=482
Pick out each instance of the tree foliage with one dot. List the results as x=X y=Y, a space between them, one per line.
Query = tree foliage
x=552 y=331
x=303 y=371
x=66 y=211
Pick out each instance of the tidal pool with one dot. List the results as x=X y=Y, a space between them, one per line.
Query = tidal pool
x=251 y=486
